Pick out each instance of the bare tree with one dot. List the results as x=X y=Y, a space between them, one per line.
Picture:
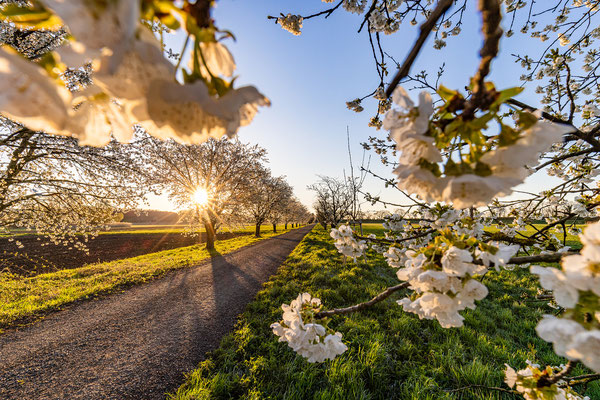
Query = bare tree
x=221 y=171
x=334 y=200
x=295 y=212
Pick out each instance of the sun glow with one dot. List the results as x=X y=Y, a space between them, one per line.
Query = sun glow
x=200 y=197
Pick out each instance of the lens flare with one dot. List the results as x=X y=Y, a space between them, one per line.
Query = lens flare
x=201 y=197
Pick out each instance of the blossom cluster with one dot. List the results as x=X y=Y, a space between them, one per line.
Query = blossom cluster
x=442 y=287
x=291 y=23
x=308 y=339
x=494 y=173
x=346 y=243
x=441 y=272
x=133 y=83
x=526 y=382
x=576 y=288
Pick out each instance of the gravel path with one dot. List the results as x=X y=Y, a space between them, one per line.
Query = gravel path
x=139 y=343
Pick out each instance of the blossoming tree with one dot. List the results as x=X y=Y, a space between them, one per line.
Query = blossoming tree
x=63 y=191
x=455 y=154
x=209 y=180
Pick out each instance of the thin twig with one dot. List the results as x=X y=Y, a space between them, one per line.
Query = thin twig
x=546 y=380
x=327 y=13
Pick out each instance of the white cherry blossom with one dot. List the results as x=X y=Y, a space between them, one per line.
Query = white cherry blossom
x=310 y=340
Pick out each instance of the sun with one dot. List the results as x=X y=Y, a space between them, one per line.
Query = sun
x=200 y=197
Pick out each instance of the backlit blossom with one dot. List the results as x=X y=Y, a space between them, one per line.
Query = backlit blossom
x=102 y=30
x=585 y=346
x=310 y=340
x=143 y=84
x=408 y=127
x=559 y=332
x=565 y=293
x=500 y=258
x=291 y=23
x=525 y=382
x=29 y=96
x=577 y=285
x=218 y=58
x=133 y=83
x=442 y=293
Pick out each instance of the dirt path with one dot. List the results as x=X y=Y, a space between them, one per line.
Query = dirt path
x=138 y=344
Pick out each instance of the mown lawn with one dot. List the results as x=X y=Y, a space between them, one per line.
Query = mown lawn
x=391 y=355
x=25 y=298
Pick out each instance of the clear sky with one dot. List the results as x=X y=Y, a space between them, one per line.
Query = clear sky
x=310 y=77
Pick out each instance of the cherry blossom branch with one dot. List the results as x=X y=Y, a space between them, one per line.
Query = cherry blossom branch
x=545 y=115
x=361 y=306
x=327 y=12
x=367 y=15
x=553 y=257
x=589 y=137
x=546 y=380
x=564 y=157
x=499 y=236
x=425 y=30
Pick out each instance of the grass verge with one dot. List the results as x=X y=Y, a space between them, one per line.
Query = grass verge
x=391 y=355
x=23 y=299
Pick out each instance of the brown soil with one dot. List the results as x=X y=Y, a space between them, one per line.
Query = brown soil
x=40 y=256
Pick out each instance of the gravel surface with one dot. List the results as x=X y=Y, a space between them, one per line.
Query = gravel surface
x=138 y=344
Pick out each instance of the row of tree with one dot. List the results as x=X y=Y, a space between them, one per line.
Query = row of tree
x=52 y=185
x=239 y=188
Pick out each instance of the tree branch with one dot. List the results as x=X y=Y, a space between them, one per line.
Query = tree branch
x=358 y=307
x=546 y=380
x=426 y=28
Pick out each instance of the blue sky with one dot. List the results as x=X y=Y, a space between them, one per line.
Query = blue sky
x=310 y=77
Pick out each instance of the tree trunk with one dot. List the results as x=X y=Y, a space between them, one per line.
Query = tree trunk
x=274 y=228
x=257 y=232
x=285 y=226
x=210 y=235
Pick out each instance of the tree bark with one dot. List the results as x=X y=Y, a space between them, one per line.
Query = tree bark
x=210 y=235
x=257 y=232
x=274 y=228
x=285 y=226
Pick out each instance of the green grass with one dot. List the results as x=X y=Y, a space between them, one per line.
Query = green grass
x=572 y=240
x=25 y=298
x=391 y=355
